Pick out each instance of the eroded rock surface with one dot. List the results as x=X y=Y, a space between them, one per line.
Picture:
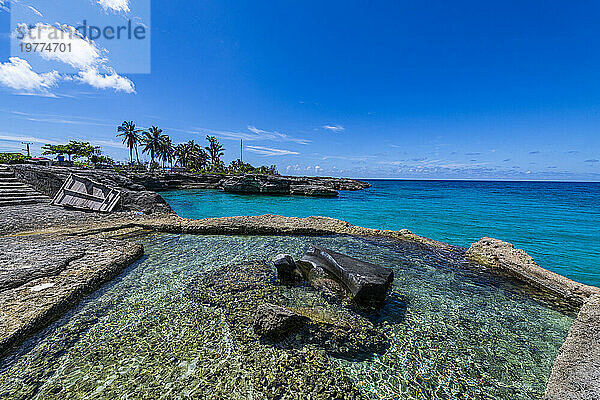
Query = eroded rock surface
x=501 y=255
x=36 y=217
x=576 y=371
x=313 y=190
x=266 y=184
x=42 y=277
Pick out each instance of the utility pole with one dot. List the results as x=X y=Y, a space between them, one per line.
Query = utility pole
x=27 y=144
x=242 y=150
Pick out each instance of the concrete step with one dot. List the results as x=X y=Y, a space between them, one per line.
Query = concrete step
x=21 y=201
x=11 y=190
x=6 y=174
x=11 y=183
x=22 y=195
x=18 y=191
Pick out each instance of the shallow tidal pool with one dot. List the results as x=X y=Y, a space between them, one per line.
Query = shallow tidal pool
x=450 y=330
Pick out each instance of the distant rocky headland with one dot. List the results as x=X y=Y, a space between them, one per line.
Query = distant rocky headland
x=250 y=183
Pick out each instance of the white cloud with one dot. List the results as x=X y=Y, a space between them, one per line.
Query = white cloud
x=83 y=55
x=20 y=138
x=268 y=151
x=274 y=135
x=253 y=134
x=18 y=74
x=334 y=128
x=108 y=143
x=115 y=5
x=4 y=5
x=93 y=78
x=36 y=12
x=58 y=118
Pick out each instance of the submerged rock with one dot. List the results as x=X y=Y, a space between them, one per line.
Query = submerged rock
x=298 y=364
x=287 y=271
x=276 y=322
x=246 y=296
x=364 y=283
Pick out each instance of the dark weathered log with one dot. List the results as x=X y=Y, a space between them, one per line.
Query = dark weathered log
x=365 y=283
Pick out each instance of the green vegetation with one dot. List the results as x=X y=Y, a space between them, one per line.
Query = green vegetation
x=12 y=158
x=190 y=156
x=215 y=152
x=152 y=140
x=73 y=149
x=239 y=167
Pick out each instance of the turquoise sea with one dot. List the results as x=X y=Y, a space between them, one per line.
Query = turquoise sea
x=555 y=222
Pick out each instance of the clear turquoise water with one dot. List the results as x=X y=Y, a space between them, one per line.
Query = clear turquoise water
x=453 y=331
x=555 y=222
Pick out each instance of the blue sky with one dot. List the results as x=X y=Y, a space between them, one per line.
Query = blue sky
x=419 y=90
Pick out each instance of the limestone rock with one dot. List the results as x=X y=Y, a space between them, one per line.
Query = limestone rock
x=576 y=371
x=256 y=184
x=313 y=190
x=501 y=255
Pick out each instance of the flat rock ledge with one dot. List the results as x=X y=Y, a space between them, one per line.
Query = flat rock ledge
x=277 y=225
x=576 y=371
x=497 y=254
x=42 y=277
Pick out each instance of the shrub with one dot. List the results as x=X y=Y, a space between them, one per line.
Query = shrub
x=12 y=158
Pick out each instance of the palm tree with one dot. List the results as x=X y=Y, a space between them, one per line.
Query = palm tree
x=199 y=158
x=215 y=151
x=191 y=155
x=166 y=150
x=152 y=142
x=181 y=152
x=131 y=138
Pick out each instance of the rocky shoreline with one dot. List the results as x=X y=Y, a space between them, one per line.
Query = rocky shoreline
x=139 y=191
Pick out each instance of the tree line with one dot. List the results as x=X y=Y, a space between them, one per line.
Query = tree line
x=190 y=155
x=159 y=146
